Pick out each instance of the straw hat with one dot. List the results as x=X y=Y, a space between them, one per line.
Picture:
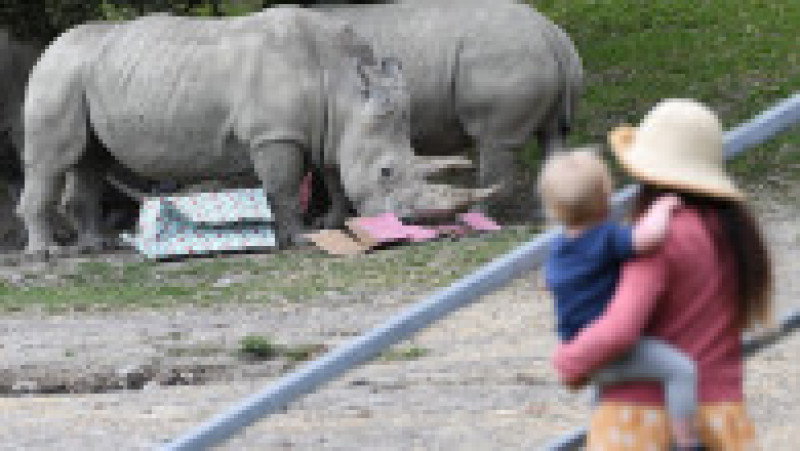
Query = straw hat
x=677 y=145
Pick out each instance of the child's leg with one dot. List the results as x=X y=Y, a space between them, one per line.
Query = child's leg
x=654 y=359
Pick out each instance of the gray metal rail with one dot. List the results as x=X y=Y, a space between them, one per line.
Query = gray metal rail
x=441 y=303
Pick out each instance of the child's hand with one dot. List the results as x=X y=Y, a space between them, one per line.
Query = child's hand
x=651 y=229
x=668 y=202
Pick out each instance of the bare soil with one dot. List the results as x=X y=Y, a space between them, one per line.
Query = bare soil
x=483 y=381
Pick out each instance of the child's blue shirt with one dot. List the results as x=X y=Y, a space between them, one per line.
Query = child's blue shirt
x=582 y=272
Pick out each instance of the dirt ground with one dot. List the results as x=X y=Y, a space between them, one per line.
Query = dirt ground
x=483 y=382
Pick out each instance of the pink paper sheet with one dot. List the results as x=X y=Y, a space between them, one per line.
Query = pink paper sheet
x=418 y=233
x=384 y=228
x=477 y=221
x=387 y=228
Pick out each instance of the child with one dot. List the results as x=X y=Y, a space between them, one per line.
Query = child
x=584 y=266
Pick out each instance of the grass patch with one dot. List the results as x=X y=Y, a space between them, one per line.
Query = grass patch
x=257 y=347
x=738 y=56
x=403 y=353
x=283 y=276
x=301 y=353
x=84 y=296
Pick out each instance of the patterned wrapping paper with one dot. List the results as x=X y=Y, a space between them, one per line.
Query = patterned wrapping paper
x=203 y=223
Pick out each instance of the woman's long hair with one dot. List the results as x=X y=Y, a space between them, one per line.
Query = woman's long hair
x=740 y=231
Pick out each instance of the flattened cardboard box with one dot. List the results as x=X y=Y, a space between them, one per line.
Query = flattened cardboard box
x=337 y=242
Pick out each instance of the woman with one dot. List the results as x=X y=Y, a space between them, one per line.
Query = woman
x=709 y=281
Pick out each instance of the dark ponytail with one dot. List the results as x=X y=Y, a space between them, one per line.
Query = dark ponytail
x=739 y=231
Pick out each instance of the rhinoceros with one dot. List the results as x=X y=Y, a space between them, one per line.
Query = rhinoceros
x=191 y=99
x=492 y=74
x=16 y=60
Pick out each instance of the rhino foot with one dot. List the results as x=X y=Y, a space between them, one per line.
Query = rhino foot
x=290 y=240
x=95 y=245
x=36 y=256
x=41 y=255
x=300 y=240
x=332 y=220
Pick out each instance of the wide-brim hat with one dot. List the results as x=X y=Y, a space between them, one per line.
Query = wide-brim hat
x=677 y=145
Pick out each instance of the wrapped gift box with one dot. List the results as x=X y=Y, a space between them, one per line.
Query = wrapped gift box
x=232 y=220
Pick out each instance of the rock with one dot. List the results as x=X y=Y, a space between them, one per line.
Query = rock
x=131 y=376
x=25 y=387
x=16 y=279
x=223 y=282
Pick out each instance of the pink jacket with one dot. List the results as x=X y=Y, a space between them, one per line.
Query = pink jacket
x=685 y=294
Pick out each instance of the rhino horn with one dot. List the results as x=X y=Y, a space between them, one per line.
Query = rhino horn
x=482 y=194
x=442 y=200
x=468 y=196
x=428 y=166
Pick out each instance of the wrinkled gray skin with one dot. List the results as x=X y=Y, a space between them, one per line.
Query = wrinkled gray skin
x=192 y=99
x=17 y=58
x=489 y=73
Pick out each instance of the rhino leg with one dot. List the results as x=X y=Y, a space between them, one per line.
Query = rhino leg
x=82 y=206
x=16 y=135
x=497 y=166
x=37 y=208
x=55 y=140
x=279 y=165
x=337 y=209
x=552 y=136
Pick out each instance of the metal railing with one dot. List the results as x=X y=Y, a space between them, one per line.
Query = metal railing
x=441 y=303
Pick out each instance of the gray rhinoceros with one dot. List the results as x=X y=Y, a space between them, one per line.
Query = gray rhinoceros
x=489 y=73
x=16 y=60
x=191 y=99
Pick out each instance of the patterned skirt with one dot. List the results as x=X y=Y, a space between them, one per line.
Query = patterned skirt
x=616 y=426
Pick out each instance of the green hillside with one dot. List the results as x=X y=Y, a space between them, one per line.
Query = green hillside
x=739 y=56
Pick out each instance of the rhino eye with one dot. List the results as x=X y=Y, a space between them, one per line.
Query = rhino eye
x=386 y=172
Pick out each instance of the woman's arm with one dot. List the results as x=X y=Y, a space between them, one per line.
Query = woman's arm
x=641 y=284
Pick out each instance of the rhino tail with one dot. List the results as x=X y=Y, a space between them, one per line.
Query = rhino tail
x=571 y=72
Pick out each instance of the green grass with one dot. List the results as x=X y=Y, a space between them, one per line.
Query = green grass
x=257 y=347
x=738 y=56
x=403 y=353
x=283 y=276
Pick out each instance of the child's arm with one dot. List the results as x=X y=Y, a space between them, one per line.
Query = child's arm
x=651 y=229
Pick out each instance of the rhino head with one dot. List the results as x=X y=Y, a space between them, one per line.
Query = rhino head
x=378 y=168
